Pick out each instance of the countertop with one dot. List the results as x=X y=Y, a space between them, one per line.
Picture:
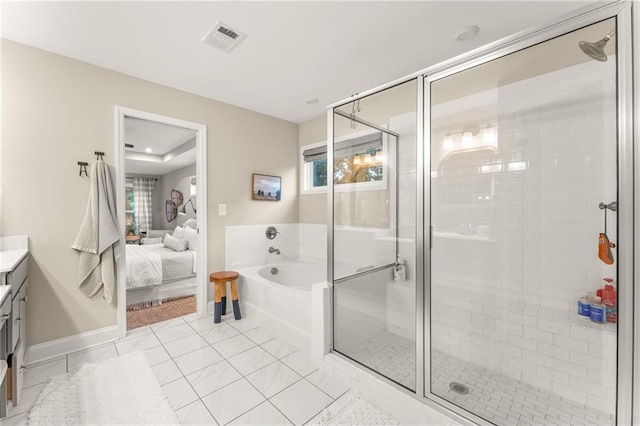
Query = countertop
x=5 y=290
x=9 y=259
x=12 y=251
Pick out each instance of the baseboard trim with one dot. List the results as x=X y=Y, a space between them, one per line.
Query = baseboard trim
x=56 y=348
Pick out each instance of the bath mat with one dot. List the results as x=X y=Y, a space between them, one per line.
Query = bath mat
x=121 y=391
x=166 y=310
x=352 y=409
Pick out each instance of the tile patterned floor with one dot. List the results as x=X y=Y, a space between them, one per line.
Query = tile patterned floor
x=492 y=396
x=214 y=374
x=391 y=355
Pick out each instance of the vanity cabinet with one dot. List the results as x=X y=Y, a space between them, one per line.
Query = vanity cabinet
x=14 y=267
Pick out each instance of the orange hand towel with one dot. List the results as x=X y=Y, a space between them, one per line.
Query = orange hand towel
x=604 y=249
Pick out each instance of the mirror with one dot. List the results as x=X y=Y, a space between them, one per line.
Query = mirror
x=170 y=210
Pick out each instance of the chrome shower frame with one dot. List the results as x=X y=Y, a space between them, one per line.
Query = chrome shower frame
x=628 y=334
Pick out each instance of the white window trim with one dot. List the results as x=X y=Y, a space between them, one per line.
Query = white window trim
x=305 y=170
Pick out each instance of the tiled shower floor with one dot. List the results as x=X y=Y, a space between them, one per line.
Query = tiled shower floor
x=492 y=395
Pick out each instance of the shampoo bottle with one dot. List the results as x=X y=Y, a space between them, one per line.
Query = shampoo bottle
x=584 y=306
x=609 y=300
x=597 y=311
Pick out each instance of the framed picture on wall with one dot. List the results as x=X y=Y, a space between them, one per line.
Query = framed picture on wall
x=265 y=187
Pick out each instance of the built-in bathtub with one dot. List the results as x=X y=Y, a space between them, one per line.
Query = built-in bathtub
x=280 y=298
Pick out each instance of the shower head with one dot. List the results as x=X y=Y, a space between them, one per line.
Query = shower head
x=596 y=50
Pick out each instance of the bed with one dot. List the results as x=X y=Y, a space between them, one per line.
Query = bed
x=156 y=273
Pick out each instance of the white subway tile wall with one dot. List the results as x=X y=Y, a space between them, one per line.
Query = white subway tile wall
x=515 y=248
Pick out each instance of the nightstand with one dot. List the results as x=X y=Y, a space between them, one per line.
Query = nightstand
x=132 y=239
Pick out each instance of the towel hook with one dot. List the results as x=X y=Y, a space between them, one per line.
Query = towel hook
x=98 y=155
x=83 y=168
x=613 y=206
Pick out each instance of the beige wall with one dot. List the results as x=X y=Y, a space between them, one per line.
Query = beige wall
x=57 y=111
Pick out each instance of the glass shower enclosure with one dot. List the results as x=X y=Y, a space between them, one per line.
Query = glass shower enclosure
x=481 y=237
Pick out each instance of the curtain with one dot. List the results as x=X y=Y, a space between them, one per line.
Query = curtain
x=143 y=202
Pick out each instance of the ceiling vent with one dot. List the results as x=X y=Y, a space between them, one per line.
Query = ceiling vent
x=223 y=37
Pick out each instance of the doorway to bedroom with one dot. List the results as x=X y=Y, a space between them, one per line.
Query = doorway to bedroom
x=160 y=179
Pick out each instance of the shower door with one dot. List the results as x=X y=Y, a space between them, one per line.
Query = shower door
x=523 y=188
x=374 y=193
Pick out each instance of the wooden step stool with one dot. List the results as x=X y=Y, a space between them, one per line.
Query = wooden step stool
x=219 y=280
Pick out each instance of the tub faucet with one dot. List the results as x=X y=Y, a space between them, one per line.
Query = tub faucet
x=274 y=250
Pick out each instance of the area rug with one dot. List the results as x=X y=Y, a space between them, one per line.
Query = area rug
x=352 y=409
x=166 y=311
x=119 y=391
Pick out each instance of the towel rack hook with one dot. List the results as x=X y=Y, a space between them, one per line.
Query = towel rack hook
x=98 y=155
x=83 y=168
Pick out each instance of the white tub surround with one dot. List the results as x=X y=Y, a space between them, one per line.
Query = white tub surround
x=283 y=309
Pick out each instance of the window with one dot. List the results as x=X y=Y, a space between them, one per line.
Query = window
x=357 y=160
x=130 y=216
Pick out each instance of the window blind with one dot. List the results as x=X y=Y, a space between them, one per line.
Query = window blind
x=372 y=141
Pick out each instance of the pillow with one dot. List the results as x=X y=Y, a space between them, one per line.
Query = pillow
x=178 y=233
x=157 y=240
x=191 y=235
x=175 y=244
x=190 y=223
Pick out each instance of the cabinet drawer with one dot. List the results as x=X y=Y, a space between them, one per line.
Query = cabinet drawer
x=18 y=275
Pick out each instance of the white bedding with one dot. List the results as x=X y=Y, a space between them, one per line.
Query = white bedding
x=154 y=264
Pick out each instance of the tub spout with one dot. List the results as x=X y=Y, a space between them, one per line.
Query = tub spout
x=274 y=250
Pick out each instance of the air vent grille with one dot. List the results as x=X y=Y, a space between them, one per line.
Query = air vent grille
x=223 y=37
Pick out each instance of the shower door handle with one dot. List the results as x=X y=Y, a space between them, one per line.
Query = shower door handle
x=430 y=237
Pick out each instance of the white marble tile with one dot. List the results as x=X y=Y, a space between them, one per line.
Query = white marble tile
x=167 y=324
x=273 y=378
x=137 y=343
x=233 y=400
x=28 y=398
x=301 y=401
x=93 y=355
x=234 y=345
x=42 y=372
x=300 y=362
x=219 y=333
x=251 y=360
x=200 y=358
x=17 y=420
x=156 y=355
x=176 y=332
x=202 y=324
x=166 y=372
x=264 y=414
x=179 y=393
x=327 y=384
x=190 y=317
x=137 y=332
x=278 y=348
x=195 y=414
x=259 y=335
x=185 y=345
x=213 y=377
x=242 y=325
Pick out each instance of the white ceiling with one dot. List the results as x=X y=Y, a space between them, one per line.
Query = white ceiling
x=292 y=51
x=171 y=147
